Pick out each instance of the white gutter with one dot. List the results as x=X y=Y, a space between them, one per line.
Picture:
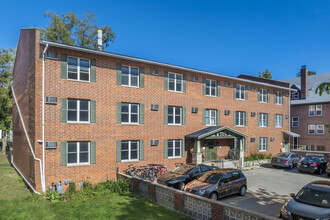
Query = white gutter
x=158 y=63
x=43 y=117
x=31 y=149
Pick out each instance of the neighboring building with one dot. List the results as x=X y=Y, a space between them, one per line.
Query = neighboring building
x=310 y=112
x=104 y=111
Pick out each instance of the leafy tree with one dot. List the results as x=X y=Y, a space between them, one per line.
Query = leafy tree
x=310 y=73
x=6 y=74
x=267 y=74
x=323 y=87
x=70 y=29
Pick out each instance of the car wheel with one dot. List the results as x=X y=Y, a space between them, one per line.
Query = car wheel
x=291 y=166
x=320 y=171
x=328 y=174
x=274 y=166
x=181 y=186
x=242 y=191
x=214 y=196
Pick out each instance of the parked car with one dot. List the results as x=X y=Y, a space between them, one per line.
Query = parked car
x=181 y=175
x=312 y=165
x=311 y=202
x=328 y=168
x=219 y=183
x=286 y=159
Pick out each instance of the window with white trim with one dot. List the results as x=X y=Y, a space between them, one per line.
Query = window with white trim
x=262 y=144
x=263 y=95
x=295 y=95
x=130 y=76
x=278 y=98
x=240 y=92
x=129 y=150
x=295 y=121
x=78 y=152
x=174 y=148
x=78 y=69
x=263 y=120
x=240 y=118
x=175 y=82
x=311 y=129
x=210 y=117
x=174 y=115
x=278 y=121
x=211 y=87
x=129 y=113
x=78 y=110
x=319 y=129
x=312 y=110
x=318 y=110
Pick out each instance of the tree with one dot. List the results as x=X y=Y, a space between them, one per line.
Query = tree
x=70 y=29
x=267 y=74
x=310 y=73
x=323 y=87
x=6 y=76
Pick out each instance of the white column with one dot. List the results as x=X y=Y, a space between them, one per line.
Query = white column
x=199 y=146
x=199 y=153
x=241 y=153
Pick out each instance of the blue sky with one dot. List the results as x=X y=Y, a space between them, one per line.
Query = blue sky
x=228 y=37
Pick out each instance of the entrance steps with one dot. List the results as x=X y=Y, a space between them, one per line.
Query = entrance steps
x=223 y=163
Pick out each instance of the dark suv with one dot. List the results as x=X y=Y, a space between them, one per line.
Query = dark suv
x=181 y=175
x=311 y=202
x=219 y=183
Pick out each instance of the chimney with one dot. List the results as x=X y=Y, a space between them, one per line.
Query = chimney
x=99 y=39
x=303 y=82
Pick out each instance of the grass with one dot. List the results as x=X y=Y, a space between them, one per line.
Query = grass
x=16 y=202
x=11 y=184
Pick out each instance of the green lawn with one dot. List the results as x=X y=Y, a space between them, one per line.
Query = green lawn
x=16 y=203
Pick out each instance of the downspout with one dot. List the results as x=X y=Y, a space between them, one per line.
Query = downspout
x=31 y=149
x=43 y=117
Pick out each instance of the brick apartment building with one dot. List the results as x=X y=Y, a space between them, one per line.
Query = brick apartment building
x=310 y=112
x=104 y=111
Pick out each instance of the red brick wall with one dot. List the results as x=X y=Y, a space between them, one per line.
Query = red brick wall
x=304 y=120
x=106 y=132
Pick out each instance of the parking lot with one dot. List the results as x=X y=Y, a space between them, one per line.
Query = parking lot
x=269 y=188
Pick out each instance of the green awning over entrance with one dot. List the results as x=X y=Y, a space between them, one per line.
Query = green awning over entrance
x=216 y=132
x=291 y=134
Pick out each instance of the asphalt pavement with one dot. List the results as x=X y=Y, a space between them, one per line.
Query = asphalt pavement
x=269 y=188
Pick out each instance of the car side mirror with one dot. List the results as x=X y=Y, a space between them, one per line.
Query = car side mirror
x=292 y=195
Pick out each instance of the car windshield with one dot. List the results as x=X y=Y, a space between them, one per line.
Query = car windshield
x=282 y=155
x=314 y=197
x=212 y=178
x=181 y=170
x=311 y=159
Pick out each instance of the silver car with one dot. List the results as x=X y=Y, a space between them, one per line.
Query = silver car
x=285 y=159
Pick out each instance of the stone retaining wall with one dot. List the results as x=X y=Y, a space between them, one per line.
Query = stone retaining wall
x=193 y=206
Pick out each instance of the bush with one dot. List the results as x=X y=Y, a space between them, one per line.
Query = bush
x=88 y=190
x=257 y=156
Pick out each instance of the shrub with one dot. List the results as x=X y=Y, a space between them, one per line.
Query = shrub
x=257 y=156
x=88 y=190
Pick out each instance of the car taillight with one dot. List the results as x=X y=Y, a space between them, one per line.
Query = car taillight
x=286 y=160
x=313 y=164
x=299 y=163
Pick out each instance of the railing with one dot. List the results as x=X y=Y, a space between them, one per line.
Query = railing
x=308 y=148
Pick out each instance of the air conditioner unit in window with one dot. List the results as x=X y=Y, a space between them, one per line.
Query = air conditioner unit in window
x=253 y=114
x=227 y=112
x=194 y=110
x=272 y=138
x=51 y=100
x=154 y=107
x=253 y=89
x=195 y=78
x=154 y=142
x=252 y=139
x=286 y=116
x=227 y=84
x=51 y=54
x=51 y=145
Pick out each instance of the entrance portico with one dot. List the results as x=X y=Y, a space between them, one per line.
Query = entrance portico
x=213 y=138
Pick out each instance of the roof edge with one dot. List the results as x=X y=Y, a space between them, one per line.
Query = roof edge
x=119 y=56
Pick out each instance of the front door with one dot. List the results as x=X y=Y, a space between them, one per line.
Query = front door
x=211 y=153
